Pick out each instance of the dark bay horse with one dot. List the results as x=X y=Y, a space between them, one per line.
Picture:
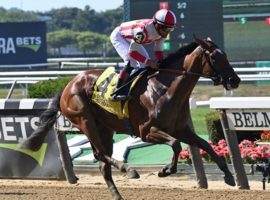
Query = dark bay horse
x=159 y=108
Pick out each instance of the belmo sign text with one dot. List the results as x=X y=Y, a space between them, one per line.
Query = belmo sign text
x=244 y=113
x=249 y=119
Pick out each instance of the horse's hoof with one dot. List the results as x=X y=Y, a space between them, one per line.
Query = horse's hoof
x=166 y=172
x=163 y=173
x=115 y=194
x=118 y=198
x=229 y=180
x=133 y=174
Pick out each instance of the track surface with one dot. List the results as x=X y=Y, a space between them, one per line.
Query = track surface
x=149 y=186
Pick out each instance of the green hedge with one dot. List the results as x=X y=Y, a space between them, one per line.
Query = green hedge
x=214 y=127
x=48 y=88
x=215 y=130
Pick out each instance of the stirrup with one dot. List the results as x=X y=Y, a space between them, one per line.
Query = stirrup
x=119 y=97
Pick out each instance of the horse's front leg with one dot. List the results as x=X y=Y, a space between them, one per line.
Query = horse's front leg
x=228 y=178
x=157 y=136
x=189 y=137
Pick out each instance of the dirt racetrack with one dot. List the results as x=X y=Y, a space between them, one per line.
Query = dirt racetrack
x=149 y=186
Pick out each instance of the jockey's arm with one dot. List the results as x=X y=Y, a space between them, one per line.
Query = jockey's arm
x=135 y=54
x=152 y=63
x=158 y=49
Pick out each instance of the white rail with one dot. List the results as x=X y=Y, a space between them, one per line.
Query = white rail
x=258 y=74
x=30 y=66
x=23 y=78
x=90 y=64
x=39 y=73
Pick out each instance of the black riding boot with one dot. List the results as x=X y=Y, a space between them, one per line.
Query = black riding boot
x=120 y=90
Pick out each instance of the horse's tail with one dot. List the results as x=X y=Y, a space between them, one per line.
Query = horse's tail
x=47 y=120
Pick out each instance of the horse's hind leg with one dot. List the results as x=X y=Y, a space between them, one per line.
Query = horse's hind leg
x=131 y=173
x=101 y=147
x=107 y=141
x=191 y=138
x=106 y=171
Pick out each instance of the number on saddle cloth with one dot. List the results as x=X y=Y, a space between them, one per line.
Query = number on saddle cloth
x=105 y=86
x=106 y=83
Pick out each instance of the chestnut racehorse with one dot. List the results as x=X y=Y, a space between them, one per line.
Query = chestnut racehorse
x=158 y=108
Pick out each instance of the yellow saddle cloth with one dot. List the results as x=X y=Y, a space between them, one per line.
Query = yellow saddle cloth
x=103 y=88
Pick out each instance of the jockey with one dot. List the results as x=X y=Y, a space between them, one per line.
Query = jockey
x=128 y=40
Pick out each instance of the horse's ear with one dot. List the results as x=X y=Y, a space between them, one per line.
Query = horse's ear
x=202 y=43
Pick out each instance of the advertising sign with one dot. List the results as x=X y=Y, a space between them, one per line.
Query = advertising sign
x=23 y=43
x=18 y=122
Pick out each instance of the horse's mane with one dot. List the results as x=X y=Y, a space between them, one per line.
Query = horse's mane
x=173 y=57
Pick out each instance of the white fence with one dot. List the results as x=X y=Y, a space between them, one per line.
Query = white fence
x=258 y=74
x=30 y=66
x=68 y=68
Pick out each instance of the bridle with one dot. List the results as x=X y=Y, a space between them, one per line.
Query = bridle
x=212 y=57
x=215 y=77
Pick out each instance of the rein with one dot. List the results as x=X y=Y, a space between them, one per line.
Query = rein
x=183 y=72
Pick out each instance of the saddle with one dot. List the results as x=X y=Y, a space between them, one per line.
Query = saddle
x=106 y=85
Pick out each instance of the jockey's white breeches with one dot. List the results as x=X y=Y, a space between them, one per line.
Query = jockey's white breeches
x=122 y=45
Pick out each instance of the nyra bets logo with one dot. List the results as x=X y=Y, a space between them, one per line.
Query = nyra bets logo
x=9 y=45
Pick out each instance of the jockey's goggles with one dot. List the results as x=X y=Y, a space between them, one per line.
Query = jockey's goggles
x=166 y=28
